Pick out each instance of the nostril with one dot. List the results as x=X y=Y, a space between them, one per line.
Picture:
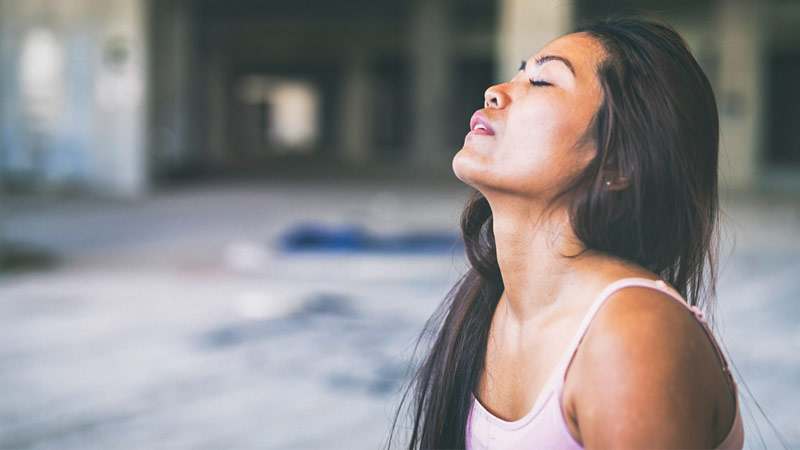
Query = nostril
x=491 y=100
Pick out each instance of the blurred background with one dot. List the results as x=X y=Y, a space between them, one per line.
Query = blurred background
x=224 y=222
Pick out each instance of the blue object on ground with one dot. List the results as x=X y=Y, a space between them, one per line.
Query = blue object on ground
x=354 y=239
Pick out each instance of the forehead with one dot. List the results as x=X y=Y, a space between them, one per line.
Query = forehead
x=583 y=51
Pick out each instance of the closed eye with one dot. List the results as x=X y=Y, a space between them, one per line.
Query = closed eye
x=540 y=83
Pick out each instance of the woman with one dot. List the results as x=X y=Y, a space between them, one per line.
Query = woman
x=596 y=172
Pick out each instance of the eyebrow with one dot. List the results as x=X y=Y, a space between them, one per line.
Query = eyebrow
x=543 y=59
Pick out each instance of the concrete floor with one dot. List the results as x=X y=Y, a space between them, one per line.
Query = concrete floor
x=174 y=321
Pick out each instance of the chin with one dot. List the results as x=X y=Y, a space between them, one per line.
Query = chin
x=461 y=166
x=471 y=168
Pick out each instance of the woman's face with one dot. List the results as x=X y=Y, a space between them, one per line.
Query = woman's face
x=532 y=144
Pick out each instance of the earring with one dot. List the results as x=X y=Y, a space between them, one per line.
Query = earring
x=608 y=183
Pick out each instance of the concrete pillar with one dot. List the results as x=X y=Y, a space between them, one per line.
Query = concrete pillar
x=172 y=71
x=216 y=148
x=430 y=47
x=4 y=53
x=739 y=90
x=525 y=27
x=6 y=108
x=120 y=97
x=354 y=119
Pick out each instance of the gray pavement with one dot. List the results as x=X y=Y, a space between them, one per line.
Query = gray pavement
x=175 y=321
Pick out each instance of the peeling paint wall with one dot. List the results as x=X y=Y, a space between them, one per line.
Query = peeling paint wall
x=73 y=89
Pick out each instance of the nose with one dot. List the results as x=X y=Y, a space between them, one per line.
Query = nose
x=496 y=97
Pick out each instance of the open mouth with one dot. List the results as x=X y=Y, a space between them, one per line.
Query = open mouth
x=479 y=124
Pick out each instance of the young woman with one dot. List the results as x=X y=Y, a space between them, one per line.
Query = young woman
x=590 y=236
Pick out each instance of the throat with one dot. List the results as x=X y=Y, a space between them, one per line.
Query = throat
x=538 y=261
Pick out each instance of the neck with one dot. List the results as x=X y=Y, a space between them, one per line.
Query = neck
x=532 y=248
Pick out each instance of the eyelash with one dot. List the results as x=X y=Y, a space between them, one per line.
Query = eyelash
x=522 y=65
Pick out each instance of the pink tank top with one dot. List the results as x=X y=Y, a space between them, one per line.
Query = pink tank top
x=544 y=426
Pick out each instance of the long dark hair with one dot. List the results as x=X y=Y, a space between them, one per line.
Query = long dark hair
x=656 y=133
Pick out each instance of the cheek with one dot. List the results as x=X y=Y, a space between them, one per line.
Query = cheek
x=536 y=153
x=544 y=145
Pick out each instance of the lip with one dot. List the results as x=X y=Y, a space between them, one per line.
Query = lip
x=480 y=118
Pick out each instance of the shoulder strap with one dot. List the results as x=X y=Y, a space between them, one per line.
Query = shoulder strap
x=658 y=285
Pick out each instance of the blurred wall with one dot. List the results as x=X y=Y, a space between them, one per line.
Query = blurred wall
x=117 y=95
x=390 y=82
x=739 y=44
x=72 y=93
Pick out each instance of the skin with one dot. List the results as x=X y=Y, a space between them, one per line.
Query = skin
x=646 y=375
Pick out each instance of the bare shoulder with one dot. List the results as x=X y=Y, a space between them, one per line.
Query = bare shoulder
x=647 y=375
